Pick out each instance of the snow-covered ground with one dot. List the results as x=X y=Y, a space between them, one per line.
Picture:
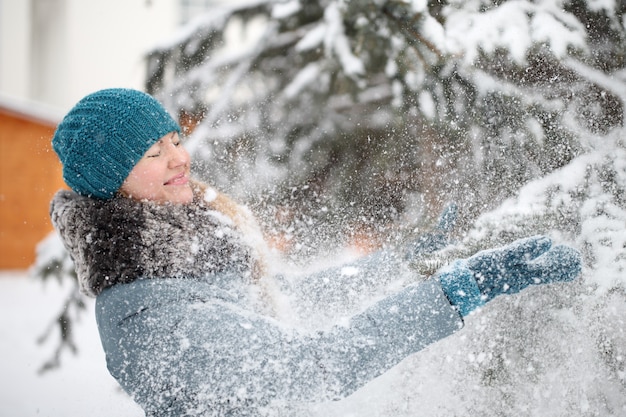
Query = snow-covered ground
x=82 y=386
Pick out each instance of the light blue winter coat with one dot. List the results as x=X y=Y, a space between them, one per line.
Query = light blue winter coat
x=189 y=347
x=183 y=332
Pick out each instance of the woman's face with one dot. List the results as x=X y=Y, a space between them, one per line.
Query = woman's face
x=162 y=174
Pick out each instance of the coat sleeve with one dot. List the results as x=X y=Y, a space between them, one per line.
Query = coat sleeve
x=347 y=288
x=174 y=345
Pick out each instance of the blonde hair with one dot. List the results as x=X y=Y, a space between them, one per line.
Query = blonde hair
x=242 y=218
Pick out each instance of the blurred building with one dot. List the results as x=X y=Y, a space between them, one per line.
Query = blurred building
x=57 y=51
x=29 y=175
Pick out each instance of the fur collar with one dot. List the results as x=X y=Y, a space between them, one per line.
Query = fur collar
x=120 y=240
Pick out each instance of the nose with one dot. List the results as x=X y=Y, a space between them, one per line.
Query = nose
x=178 y=156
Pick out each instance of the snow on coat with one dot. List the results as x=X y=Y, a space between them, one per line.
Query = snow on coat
x=181 y=329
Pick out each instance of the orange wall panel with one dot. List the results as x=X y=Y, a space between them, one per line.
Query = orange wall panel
x=30 y=174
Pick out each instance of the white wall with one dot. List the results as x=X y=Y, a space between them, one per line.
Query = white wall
x=14 y=38
x=57 y=51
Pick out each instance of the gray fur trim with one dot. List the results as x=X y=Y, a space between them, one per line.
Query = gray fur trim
x=120 y=240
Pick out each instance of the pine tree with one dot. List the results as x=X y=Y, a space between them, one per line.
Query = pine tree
x=363 y=107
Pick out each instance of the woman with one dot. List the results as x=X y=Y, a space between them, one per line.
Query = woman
x=184 y=304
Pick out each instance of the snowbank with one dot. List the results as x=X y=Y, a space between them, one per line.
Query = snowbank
x=81 y=387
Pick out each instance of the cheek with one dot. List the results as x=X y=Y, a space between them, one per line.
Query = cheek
x=139 y=178
x=142 y=181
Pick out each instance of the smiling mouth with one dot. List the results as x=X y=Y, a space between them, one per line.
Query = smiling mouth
x=180 y=179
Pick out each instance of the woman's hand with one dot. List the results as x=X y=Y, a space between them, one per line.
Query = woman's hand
x=525 y=262
x=436 y=239
x=470 y=283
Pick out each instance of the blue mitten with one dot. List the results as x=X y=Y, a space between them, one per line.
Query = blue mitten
x=436 y=239
x=470 y=283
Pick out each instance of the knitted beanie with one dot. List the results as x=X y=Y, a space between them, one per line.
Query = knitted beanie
x=103 y=137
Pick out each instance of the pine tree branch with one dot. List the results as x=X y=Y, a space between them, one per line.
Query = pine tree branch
x=63 y=323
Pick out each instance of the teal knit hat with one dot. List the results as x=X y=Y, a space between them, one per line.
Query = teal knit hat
x=103 y=137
